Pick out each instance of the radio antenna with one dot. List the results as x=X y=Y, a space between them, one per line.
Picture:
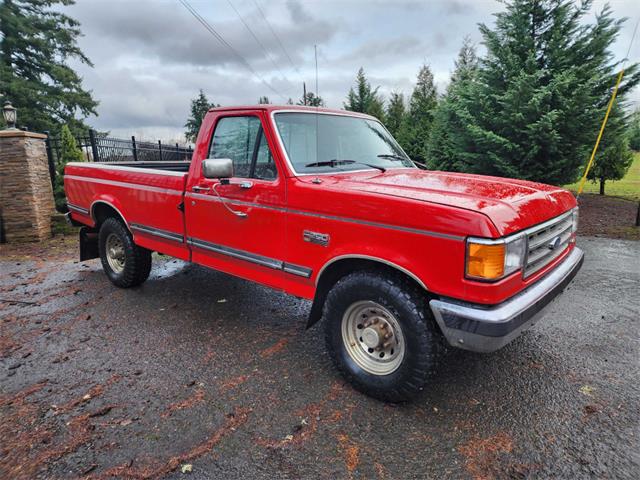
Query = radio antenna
x=317 y=101
x=315 y=49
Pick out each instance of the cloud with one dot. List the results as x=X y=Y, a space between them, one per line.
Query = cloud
x=152 y=57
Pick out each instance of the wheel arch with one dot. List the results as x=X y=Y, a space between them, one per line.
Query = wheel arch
x=342 y=265
x=102 y=209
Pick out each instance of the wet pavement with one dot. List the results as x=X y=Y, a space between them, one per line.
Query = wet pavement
x=199 y=368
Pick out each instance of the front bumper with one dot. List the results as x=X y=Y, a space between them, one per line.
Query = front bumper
x=487 y=328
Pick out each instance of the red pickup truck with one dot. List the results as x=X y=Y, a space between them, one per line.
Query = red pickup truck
x=325 y=205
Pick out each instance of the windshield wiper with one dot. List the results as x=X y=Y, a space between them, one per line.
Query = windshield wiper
x=391 y=156
x=336 y=163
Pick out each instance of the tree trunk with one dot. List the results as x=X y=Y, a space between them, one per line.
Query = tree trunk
x=638 y=216
x=602 y=180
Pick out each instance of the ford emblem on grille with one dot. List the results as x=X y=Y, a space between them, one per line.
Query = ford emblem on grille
x=555 y=243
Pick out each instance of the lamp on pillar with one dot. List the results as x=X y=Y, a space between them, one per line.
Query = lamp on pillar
x=10 y=115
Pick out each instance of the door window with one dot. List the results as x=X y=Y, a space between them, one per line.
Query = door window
x=265 y=169
x=242 y=140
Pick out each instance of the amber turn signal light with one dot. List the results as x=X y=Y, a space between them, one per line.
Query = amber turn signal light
x=485 y=261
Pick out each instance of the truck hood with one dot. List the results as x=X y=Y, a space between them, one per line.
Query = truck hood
x=510 y=204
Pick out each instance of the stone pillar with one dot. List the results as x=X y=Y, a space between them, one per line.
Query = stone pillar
x=26 y=197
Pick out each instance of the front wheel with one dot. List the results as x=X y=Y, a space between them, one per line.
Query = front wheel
x=380 y=335
x=125 y=263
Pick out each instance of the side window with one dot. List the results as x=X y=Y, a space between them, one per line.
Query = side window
x=235 y=138
x=265 y=168
x=242 y=140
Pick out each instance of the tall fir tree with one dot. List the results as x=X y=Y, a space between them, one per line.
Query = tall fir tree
x=37 y=41
x=614 y=157
x=311 y=100
x=447 y=148
x=396 y=112
x=263 y=100
x=634 y=130
x=534 y=110
x=414 y=133
x=199 y=108
x=365 y=99
x=69 y=152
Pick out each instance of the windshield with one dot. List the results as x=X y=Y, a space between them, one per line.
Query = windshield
x=320 y=143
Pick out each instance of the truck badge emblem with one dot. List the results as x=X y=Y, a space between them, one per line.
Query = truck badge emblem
x=555 y=243
x=315 y=237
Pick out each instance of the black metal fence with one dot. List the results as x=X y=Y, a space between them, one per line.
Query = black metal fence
x=100 y=148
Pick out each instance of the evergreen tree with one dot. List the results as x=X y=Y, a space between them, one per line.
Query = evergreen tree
x=263 y=101
x=69 y=152
x=634 y=131
x=414 y=133
x=37 y=42
x=365 y=99
x=199 y=108
x=395 y=113
x=614 y=157
x=466 y=65
x=311 y=100
x=448 y=148
x=534 y=110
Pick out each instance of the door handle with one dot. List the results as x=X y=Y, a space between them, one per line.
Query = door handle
x=246 y=185
x=200 y=189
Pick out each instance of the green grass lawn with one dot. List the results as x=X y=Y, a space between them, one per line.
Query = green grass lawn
x=628 y=187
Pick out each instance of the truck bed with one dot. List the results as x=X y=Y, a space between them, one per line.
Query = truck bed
x=147 y=195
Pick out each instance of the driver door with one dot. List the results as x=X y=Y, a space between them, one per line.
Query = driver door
x=239 y=227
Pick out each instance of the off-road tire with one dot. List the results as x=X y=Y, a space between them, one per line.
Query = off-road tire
x=423 y=341
x=137 y=263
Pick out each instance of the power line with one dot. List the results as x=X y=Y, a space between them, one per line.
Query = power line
x=266 y=52
x=264 y=17
x=221 y=39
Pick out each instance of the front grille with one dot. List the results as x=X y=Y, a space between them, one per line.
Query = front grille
x=546 y=242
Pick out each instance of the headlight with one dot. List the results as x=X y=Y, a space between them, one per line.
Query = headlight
x=494 y=259
x=575 y=214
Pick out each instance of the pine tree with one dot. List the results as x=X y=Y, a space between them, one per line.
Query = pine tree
x=365 y=99
x=37 y=42
x=69 y=152
x=263 y=101
x=634 y=131
x=312 y=100
x=540 y=94
x=396 y=112
x=199 y=108
x=448 y=148
x=614 y=157
x=414 y=133
x=466 y=65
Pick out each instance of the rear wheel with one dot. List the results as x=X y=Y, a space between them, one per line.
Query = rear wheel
x=380 y=335
x=125 y=263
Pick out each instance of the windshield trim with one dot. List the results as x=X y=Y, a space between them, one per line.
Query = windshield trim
x=274 y=125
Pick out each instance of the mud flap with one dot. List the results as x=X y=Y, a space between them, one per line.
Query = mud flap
x=88 y=244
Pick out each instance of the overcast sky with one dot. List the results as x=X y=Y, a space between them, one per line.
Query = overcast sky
x=152 y=56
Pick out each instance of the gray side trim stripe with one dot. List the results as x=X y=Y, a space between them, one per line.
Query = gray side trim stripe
x=252 y=257
x=78 y=209
x=329 y=217
x=176 y=237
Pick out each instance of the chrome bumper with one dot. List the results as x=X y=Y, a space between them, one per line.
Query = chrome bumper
x=487 y=328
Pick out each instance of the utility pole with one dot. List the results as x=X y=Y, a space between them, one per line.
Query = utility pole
x=304 y=93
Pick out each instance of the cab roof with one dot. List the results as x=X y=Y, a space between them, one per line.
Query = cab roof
x=303 y=108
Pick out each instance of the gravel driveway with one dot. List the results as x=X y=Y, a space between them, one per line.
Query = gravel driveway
x=202 y=369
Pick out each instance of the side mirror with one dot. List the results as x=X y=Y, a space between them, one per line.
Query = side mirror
x=217 y=168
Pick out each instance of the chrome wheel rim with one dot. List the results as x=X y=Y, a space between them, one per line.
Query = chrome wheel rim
x=115 y=253
x=373 y=338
